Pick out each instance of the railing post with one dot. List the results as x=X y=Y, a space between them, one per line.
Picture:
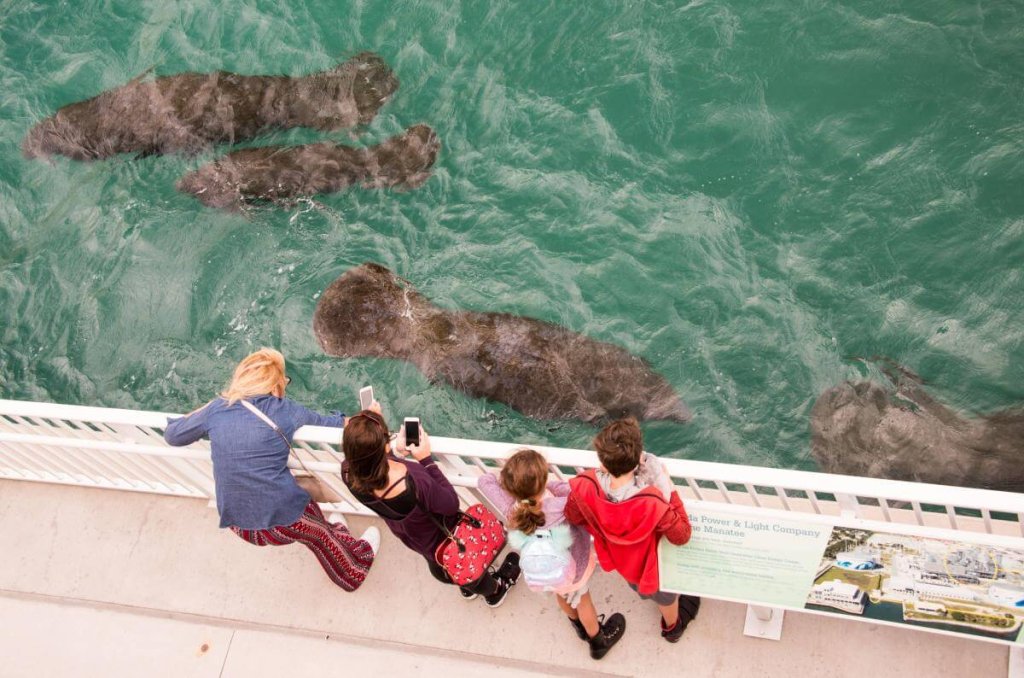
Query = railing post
x=763 y=622
x=849 y=507
x=1015 y=667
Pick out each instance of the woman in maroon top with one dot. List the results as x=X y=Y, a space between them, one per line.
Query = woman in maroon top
x=412 y=497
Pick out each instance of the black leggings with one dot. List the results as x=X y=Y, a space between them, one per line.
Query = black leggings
x=486 y=585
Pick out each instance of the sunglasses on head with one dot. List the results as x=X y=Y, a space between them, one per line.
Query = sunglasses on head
x=378 y=420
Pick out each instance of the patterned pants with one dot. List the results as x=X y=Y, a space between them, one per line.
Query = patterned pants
x=345 y=559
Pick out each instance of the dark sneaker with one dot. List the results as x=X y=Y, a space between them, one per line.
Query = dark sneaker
x=510 y=567
x=688 y=608
x=580 y=631
x=467 y=595
x=507 y=576
x=609 y=633
x=498 y=597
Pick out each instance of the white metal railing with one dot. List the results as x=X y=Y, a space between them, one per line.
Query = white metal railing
x=124 y=449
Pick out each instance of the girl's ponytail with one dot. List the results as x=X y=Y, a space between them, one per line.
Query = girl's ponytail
x=525 y=476
x=526 y=516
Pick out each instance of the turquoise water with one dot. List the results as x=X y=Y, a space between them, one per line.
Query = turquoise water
x=748 y=195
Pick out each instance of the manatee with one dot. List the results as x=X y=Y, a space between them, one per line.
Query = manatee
x=902 y=433
x=190 y=112
x=538 y=368
x=281 y=172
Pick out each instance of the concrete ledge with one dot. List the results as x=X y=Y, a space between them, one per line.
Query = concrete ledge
x=162 y=560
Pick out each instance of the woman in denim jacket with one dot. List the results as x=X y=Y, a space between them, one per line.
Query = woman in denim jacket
x=257 y=496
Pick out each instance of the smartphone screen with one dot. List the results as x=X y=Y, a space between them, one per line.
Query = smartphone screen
x=365 y=397
x=412 y=431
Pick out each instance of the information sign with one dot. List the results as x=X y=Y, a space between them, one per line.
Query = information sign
x=933 y=584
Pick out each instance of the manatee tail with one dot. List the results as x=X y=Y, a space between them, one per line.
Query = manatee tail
x=373 y=83
x=404 y=160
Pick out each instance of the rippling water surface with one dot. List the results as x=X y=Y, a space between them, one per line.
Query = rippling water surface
x=748 y=195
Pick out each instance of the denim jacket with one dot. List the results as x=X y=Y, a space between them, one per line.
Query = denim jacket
x=255 y=489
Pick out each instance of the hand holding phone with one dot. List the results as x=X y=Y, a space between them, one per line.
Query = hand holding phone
x=420 y=449
x=365 y=397
x=412 y=431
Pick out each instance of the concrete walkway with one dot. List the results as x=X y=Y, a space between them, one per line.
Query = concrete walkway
x=104 y=583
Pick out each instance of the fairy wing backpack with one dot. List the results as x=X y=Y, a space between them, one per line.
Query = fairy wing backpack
x=544 y=557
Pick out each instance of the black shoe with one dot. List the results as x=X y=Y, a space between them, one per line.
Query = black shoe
x=506 y=576
x=688 y=608
x=498 y=597
x=580 y=631
x=467 y=595
x=609 y=632
x=510 y=567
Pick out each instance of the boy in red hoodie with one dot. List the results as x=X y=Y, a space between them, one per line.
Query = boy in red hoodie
x=628 y=505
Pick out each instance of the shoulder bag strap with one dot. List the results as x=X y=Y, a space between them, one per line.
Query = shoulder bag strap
x=440 y=523
x=270 y=422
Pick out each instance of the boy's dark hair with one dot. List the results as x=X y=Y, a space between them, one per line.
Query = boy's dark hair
x=619 y=446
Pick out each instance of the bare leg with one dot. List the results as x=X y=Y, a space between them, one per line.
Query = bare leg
x=670 y=613
x=566 y=607
x=585 y=612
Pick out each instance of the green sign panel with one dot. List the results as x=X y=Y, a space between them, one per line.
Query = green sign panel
x=931 y=584
x=770 y=562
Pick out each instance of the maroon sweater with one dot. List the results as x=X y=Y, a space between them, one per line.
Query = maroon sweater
x=433 y=493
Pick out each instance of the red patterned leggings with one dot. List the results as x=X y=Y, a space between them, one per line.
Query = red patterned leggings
x=345 y=559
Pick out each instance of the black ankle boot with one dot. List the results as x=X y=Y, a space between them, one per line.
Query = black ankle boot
x=609 y=632
x=688 y=608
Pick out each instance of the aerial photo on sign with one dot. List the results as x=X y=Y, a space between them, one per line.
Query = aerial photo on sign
x=950 y=586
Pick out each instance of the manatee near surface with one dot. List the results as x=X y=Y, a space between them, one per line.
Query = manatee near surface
x=190 y=112
x=902 y=433
x=273 y=173
x=538 y=368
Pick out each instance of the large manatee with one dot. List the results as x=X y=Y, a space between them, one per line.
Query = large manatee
x=283 y=172
x=538 y=368
x=190 y=112
x=902 y=433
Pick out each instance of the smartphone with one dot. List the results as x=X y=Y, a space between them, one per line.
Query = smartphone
x=412 y=431
x=365 y=397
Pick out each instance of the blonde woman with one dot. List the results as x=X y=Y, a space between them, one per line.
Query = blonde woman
x=250 y=427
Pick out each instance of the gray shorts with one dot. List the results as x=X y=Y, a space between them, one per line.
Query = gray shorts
x=659 y=597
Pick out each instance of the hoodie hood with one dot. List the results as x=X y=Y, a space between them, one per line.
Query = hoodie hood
x=627 y=522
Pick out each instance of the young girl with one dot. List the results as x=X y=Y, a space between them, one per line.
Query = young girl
x=533 y=507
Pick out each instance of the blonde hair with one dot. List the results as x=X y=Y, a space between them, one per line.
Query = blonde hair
x=524 y=476
x=259 y=373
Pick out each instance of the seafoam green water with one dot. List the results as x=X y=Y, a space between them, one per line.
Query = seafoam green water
x=746 y=194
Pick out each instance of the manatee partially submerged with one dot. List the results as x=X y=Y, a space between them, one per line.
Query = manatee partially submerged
x=902 y=433
x=283 y=172
x=190 y=112
x=538 y=368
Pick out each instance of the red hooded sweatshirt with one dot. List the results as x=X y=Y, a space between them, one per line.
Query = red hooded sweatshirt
x=626 y=533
